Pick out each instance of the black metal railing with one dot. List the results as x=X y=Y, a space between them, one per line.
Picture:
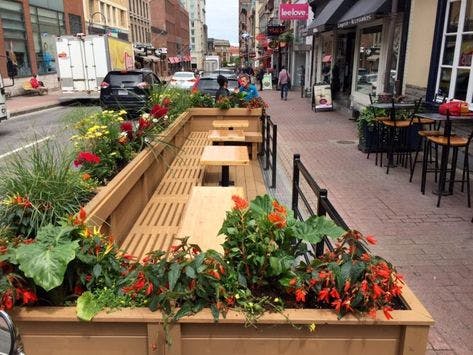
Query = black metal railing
x=324 y=206
x=269 y=147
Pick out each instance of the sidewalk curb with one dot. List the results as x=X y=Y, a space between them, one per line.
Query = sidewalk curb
x=33 y=109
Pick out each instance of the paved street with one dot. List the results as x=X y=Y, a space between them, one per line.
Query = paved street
x=431 y=246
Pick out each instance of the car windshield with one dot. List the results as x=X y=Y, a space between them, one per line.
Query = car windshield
x=125 y=80
x=184 y=75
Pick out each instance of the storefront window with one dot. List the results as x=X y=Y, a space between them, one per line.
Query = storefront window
x=47 y=25
x=11 y=13
x=368 y=62
x=455 y=68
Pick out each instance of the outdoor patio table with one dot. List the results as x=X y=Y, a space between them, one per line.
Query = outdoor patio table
x=445 y=149
x=222 y=135
x=204 y=215
x=230 y=124
x=225 y=156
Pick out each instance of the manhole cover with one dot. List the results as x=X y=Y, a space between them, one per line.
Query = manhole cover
x=345 y=142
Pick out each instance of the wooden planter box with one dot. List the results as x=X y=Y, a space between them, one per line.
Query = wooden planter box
x=56 y=330
x=139 y=331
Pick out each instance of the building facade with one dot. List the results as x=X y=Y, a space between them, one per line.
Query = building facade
x=170 y=35
x=28 y=31
x=220 y=47
x=246 y=31
x=198 y=31
x=140 y=21
x=107 y=16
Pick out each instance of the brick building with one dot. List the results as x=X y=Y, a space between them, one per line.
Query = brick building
x=170 y=34
x=109 y=16
x=28 y=30
x=140 y=21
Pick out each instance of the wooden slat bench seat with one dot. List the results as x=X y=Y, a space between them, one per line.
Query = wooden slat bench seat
x=204 y=214
x=230 y=124
x=255 y=139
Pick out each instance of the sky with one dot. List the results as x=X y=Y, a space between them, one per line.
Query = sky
x=222 y=19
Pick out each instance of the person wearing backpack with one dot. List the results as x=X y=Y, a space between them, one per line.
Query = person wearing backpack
x=284 y=80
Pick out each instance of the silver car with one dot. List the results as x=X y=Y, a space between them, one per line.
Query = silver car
x=183 y=80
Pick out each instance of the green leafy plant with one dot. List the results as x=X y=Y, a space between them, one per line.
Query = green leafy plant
x=39 y=187
x=199 y=99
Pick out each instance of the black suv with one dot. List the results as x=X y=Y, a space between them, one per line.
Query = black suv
x=127 y=90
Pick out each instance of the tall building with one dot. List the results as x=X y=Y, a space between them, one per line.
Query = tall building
x=220 y=47
x=198 y=31
x=170 y=35
x=140 y=21
x=246 y=31
x=28 y=30
x=107 y=16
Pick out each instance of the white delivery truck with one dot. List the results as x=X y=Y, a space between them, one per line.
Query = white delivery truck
x=84 y=60
x=3 y=99
x=211 y=63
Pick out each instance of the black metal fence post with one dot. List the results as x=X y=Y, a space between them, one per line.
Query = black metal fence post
x=295 y=182
x=268 y=137
x=263 y=128
x=321 y=211
x=274 y=152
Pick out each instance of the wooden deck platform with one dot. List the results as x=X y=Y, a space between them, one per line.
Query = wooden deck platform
x=158 y=224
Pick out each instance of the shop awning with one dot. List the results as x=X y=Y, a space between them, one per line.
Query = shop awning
x=364 y=11
x=174 y=60
x=329 y=15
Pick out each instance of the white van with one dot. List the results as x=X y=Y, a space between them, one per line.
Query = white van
x=3 y=100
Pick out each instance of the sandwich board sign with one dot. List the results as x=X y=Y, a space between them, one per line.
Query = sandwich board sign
x=267 y=82
x=322 y=97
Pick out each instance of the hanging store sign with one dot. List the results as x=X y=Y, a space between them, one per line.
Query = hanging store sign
x=293 y=11
x=275 y=30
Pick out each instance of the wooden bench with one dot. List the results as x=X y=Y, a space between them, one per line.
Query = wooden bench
x=255 y=139
x=204 y=214
x=226 y=135
x=30 y=90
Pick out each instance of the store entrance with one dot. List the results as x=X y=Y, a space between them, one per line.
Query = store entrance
x=342 y=70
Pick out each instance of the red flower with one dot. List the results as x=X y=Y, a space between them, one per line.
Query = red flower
x=293 y=282
x=192 y=284
x=300 y=295
x=158 y=111
x=88 y=277
x=387 y=312
x=214 y=273
x=86 y=157
x=80 y=217
x=347 y=305
x=347 y=286
x=166 y=102
x=337 y=304
x=7 y=300
x=126 y=126
x=372 y=313
x=240 y=203
x=370 y=239
x=312 y=282
x=365 y=257
x=334 y=293
x=279 y=208
x=78 y=290
x=143 y=123
x=364 y=286
x=277 y=219
x=149 y=289
x=377 y=291
x=230 y=301
x=324 y=295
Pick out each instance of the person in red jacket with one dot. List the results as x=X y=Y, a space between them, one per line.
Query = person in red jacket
x=35 y=83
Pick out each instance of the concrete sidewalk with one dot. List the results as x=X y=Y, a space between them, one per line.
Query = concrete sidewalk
x=432 y=247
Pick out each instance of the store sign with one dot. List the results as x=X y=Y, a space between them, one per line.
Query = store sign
x=356 y=21
x=293 y=11
x=275 y=30
x=322 y=97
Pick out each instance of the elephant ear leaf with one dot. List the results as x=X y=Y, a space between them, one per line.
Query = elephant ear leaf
x=87 y=307
x=262 y=205
x=45 y=261
x=317 y=227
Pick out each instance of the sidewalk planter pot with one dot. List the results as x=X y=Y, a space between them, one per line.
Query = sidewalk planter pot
x=57 y=330
x=139 y=331
x=368 y=138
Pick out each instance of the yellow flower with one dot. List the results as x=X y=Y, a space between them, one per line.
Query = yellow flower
x=311 y=327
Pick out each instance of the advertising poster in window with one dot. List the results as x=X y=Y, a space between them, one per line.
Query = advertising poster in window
x=322 y=97
x=48 y=53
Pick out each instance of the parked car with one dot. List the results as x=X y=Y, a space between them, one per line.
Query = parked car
x=183 y=80
x=209 y=85
x=225 y=72
x=127 y=90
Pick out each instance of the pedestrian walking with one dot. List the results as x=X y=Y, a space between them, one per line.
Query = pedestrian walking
x=284 y=81
x=259 y=77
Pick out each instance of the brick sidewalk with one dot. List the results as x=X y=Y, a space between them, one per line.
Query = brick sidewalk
x=431 y=246
x=18 y=105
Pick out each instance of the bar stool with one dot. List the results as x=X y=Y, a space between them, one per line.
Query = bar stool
x=447 y=141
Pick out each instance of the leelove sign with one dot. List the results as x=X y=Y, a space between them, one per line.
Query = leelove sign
x=293 y=11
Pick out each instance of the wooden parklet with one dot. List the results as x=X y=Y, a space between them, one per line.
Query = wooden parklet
x=204 y=215
x=143 y=206
x=225 y=156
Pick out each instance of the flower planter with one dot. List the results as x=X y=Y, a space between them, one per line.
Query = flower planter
x=140 y=331
x=57 y=330
x=368 y=138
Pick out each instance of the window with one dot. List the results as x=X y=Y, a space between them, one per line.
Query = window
x=46 y=25
x=91 y=7
x=455 y=69
x=11 y=13
x=75 y=23
x=368 y=61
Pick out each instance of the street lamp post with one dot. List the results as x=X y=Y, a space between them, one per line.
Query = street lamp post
x=246 y=36
x=91 y=21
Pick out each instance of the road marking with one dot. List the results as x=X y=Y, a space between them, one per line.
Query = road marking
x=25 y=147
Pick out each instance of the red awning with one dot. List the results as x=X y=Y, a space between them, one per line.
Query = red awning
x=174 y=60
